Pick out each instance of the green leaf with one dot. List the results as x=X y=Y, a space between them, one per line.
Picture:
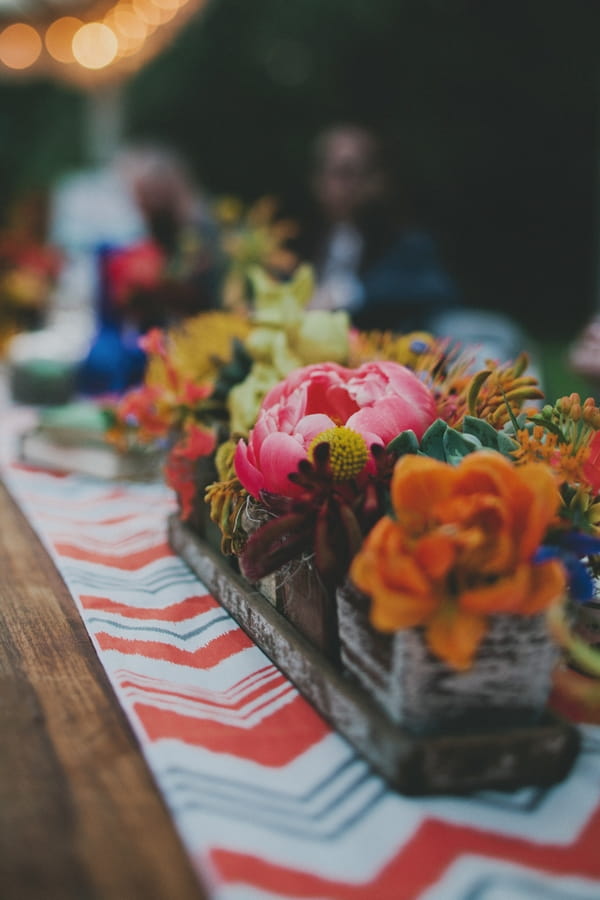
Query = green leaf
x=457 y=445
x=483 y=431
x=548 y=425
x=506 y=445
x=475 y=387
x=511 y=414
x=405 y=442
x=432 y=442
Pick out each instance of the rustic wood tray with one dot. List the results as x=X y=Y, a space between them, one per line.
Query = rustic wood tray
x=539 y=755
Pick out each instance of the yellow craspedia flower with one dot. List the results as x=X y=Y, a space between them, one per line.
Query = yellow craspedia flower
x=348 y=452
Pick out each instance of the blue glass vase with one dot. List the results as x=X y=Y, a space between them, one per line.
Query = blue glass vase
x=114 y=361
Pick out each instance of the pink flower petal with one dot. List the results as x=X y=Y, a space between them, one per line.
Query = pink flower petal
x=310 y=426
x=279 y=456
x=379 y=400
x=389 y=417
x=249 y=475
x=266 y=424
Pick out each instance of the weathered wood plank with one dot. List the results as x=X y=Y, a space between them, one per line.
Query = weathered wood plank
x=80 y=816
x=501 y=760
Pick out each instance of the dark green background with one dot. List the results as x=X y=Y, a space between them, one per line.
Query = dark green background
x=491 y=107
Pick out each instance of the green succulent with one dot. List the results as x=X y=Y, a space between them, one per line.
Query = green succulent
x=448 y=444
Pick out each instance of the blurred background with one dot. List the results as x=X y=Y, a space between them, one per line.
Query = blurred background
x=491 y=111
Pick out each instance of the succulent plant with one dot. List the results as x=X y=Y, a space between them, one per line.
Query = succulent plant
x=447 y=444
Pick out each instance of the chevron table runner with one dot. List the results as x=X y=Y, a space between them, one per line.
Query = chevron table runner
x=268 y=800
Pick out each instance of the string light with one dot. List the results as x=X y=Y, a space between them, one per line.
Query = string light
x=111 y=44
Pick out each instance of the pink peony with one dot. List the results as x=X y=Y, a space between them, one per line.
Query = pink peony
x=378 y=400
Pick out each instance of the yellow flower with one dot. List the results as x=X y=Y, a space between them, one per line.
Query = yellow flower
x=197 y=349
x=415 y=349
x=24 y=288
x=243 y=400
x=323 y=336
x=281 y=304
x=348 y=453
x=284 y=337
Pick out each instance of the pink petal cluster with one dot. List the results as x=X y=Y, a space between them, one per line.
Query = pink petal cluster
x=378 y=400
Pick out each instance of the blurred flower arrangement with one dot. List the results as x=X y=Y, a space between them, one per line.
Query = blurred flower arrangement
x=450 y=498
x=28 y=272
x=135 y=269
x=206 y=266
x=252 y=235
x=149 y=287
x=202 y=264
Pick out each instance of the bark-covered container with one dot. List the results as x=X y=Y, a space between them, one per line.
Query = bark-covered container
x=507 y=686
x=297 y=592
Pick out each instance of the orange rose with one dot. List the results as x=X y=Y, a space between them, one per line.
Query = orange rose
x=460 y=548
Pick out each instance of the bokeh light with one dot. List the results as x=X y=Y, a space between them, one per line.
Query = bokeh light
x=147 y=12
x=95 y=45
x=20 y=46
x=59 y=38
x=165 y=14
x=130 y=31
x=126 y=22
x=169 y=4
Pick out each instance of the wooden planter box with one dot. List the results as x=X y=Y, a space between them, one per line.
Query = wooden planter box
x=298 y=593
x=456 y=763
x=507 y=686
x=200 y=521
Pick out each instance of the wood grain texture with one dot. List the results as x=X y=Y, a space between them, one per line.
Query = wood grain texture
x=80 y=816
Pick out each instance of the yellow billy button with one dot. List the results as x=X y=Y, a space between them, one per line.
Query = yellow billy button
x=348 y=451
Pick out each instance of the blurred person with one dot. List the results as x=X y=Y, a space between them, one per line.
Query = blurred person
x=169 y=273
x=178 y=220
x=372 y=261
x=583 y=353
x=367 y=260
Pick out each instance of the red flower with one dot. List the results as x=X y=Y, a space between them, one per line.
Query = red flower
x=136 y=268
x=180 y=471
x=591 y=467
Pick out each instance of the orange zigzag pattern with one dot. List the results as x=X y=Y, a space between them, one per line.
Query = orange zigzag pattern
x=419 y=864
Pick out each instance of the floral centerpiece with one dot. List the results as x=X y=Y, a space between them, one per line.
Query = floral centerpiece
x=205 y=378
x=200 y=264
x=182 y=401
x=452 y=519
x=431 y=528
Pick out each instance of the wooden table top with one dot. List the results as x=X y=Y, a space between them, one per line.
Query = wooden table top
x=80 y=815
